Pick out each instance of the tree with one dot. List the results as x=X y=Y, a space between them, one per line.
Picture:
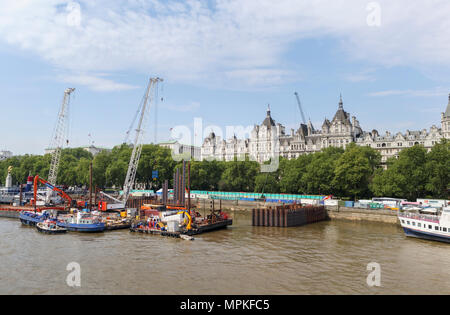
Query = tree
x=239 y=176
x=406 y=177
x=267 y=183
x=319 y=173
x=438 y=170
x=155 y=158
x=291 y=173
x=354 y=170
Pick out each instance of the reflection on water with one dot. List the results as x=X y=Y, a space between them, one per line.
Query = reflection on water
x=323 y=258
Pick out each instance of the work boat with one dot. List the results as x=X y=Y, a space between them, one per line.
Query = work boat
x=427 y=223
x=32 y=218
x=83 y=223
x=50 y=227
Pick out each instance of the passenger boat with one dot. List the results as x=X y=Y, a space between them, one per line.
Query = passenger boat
x=83 y=223
x=31 y=218
x=427 y=223
x=50 y=227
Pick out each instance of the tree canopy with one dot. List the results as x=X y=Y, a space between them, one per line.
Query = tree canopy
x=355 y=172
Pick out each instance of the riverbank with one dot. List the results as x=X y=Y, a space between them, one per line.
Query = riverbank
x=8 y=213
x=334 y=212
x=359 y=214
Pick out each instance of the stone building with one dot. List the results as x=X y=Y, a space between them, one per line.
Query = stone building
x=5 y=155
x=182 y=149
x=270 y=138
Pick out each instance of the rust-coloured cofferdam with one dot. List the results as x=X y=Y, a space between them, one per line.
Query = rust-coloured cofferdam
x=288 y=216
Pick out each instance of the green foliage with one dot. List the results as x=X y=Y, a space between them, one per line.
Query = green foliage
x=355 y=172
x=416 y=173
x=239 y=176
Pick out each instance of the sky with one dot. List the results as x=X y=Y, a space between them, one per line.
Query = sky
x=222 y=61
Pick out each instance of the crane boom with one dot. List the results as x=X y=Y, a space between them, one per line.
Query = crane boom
x=60 y=192
x=138 y=141
x=57 y=141
x=300 y=107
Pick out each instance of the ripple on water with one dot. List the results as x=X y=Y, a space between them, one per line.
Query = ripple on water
x=324 y=258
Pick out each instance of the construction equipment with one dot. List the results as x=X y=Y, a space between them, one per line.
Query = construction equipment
x=144 y=109
x=57 y=141
x=300 y=107
x=52 y=188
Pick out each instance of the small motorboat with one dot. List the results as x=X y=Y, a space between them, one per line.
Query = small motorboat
x=186 y=237
x=50 y=227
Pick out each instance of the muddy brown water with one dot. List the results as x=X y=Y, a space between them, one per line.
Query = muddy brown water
x=324 y=258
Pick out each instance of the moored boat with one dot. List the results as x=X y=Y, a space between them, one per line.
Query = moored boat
x=84 y=223
x=427 y=223
x=50 y=227
x=31 y=218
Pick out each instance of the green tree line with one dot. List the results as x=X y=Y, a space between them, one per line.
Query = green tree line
x=354 y=173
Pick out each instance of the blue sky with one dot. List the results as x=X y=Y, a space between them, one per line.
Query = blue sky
x=222 y=61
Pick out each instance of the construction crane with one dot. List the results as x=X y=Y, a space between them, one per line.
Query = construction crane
x=57 y=141
x=300 y=107
x=144 y=109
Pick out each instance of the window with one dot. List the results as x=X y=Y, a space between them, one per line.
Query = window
x=436 y=228
x=444 y=229
x=430 y=227
x=414 y=223
x=407 y=222
x=403 y=221
x=419 y=224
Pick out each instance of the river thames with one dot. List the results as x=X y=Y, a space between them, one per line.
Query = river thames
x=324 y=258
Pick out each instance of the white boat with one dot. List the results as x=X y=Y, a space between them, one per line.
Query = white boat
x=186 y=237
x=428 y=223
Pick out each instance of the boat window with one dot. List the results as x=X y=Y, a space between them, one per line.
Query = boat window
x=403 y=221
x=430 y=227
x=419 y=224
x=436 y=228
x=414 y=223
x=444 y=229
x=408 y=222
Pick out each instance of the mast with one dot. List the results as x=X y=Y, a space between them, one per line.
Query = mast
x=138 y=141
x=57 y=141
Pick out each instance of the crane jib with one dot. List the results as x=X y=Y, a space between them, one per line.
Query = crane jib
x=50 y=186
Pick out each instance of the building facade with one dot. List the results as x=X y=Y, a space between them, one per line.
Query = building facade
x=270 y=138
x=91 y=149
x=5 y=155
x=183 y=149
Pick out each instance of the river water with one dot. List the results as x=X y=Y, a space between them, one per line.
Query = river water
x=323 y=258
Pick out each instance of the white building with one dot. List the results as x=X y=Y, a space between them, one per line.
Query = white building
x=183 y=149
x=5 y=155
x=270 y=138
x=91 y=149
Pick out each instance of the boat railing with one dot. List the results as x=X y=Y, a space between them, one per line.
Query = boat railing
x=422 y=217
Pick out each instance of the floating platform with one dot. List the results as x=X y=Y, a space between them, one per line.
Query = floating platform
x=194 y=231
x=119 y=226
x=222 y=224
x=156 y=232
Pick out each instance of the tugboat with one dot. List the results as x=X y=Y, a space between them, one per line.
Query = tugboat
x=50 y=227
x=85 y=223
x=427 y=223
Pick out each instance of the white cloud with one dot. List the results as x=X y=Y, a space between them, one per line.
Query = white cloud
x=364 y=76
x=438 y=91
x=96 y=83
x=213 y=41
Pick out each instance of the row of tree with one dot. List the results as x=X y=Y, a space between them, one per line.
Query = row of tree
x=355 y=172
